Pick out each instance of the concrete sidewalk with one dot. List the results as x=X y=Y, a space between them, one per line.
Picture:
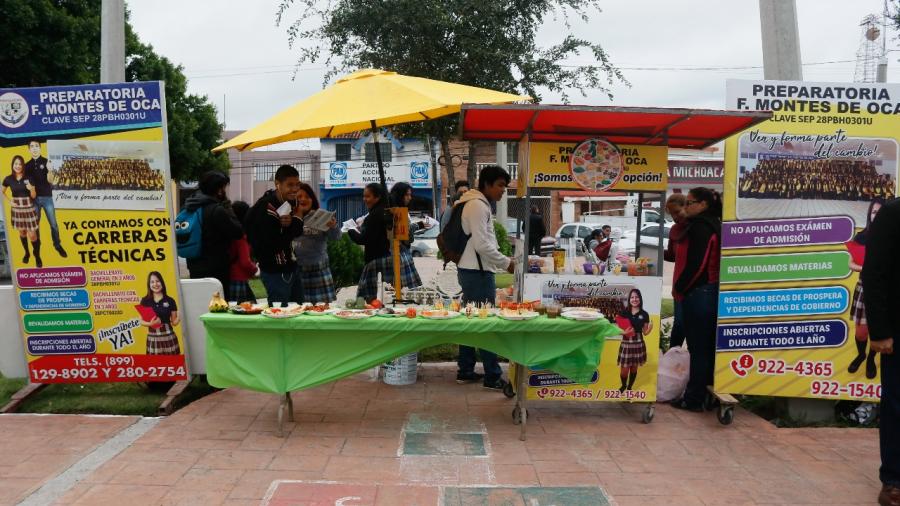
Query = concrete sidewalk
x=439 y=440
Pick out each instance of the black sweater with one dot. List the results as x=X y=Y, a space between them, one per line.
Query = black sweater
x=220 y=228
x=271 y=243
x=373 y=235
x=881 y=273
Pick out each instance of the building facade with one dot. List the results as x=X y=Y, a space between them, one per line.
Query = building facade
x=348 y=163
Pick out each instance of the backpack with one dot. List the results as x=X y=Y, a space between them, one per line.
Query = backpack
x=189 y=233
x=451 y=242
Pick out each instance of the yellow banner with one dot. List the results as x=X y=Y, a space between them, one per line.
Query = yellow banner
x=799 y=192
x=644 y=168
x=621 y=376
x=88 y=222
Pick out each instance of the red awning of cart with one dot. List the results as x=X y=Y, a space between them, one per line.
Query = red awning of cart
x=677 y=128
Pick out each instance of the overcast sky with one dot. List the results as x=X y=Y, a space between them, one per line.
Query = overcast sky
x=232 y=51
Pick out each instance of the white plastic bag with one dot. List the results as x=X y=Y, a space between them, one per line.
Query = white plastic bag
x=674 y=371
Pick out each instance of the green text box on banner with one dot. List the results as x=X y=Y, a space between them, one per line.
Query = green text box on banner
x=52 y=323
x=789 y=267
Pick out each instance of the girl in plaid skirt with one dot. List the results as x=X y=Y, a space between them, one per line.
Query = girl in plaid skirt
x=19 y=190
x=632 y=351
x=311 y=252
x=161 y=338
x=857 y=249
x=373 y=236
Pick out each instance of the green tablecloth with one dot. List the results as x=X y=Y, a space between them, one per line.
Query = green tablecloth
x=283 y=355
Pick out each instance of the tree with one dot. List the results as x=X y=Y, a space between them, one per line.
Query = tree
x=57 y=42
x=490 y=44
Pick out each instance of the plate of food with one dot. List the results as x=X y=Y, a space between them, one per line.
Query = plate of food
x=246 y=308
x=320 y=308
x=439 y=314
x=582 y=315
x=518 y=314
x=588 y=309
x=389 y=312
x=354 y=314
x=282 y=312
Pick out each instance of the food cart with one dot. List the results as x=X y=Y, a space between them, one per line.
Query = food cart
x=598 y=149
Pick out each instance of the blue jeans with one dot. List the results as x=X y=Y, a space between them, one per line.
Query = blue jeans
x=700 y=308
x=676 y=338
x=890 y=418
x=46 y=203
x=282 y=287
x=478 y=287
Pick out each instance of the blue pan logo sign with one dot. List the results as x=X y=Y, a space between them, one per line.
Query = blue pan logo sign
x=338 y=171
x=13 y=110
x=418 y=172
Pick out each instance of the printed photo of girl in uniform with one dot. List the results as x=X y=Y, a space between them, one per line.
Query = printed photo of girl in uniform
x=21 y=194
x=635 y=322
x=160 y=316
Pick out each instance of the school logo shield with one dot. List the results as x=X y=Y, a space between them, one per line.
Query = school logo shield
x=13 y=110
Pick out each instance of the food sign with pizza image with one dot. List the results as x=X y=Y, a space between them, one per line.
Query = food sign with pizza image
x=596 y=165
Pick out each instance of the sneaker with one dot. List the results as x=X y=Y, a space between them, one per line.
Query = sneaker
x=468 y=377
x=497 y=384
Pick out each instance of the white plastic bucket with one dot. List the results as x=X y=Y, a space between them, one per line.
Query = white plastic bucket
x=402 y=370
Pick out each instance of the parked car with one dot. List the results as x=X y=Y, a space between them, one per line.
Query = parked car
x=425 y=243
x=547 y=242
x=577 y=232
x=650 y=235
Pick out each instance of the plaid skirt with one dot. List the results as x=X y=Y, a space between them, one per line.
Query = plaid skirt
x=632 y=352
x=162 y=341
x=368 y=281
x=317 y=283
x=858 y=306
x=239 y=291
x=24 y=216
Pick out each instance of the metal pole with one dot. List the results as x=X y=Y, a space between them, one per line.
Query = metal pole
x=780 y=40
x=378 y=156
x=436 y=203
x=637 y=235
x=112 y=41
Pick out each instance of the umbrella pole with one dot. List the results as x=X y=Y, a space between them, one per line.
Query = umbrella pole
x=378 y=156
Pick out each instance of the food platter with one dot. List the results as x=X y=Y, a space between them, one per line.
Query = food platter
x=246 y=309
x=439 y=314
x=353 y=314
x=596 y=165
x=585 y=316
x=288 y=312
x=588 y=309
x=516 y=315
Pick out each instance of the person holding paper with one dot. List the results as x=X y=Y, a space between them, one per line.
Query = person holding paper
x=161 y=338
x=272 y=225
x=311 y=250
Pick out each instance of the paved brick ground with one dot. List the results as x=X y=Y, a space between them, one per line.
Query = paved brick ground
x=35 y=448
x=223 y=450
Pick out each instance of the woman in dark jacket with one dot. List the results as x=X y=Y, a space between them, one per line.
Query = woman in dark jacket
x=697 y=281
x=373 y=237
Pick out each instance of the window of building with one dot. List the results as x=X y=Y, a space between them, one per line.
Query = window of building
x=264 y=171
x=342 y=152
x=512 y=152
x=384 y=147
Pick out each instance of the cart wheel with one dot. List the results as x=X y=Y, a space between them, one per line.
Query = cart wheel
x=648 y=414
x=508 y=391
x=517 y=415
x=710 y=402
x=725 y=415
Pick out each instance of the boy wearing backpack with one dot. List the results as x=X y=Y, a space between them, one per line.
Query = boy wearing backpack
x=207 y=216
x=480 y=258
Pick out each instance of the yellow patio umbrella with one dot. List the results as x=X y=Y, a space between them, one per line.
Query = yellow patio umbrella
x=368 y=98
